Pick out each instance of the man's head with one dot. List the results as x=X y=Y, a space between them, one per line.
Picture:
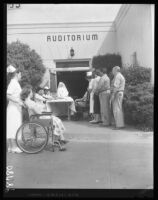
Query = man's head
x=115 y=70
x=104 y=70
x=46 y=89
x=97 y=72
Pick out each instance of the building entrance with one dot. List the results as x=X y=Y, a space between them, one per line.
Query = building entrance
x=75 y=82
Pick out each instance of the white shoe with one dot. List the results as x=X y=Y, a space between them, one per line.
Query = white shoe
x=92 y=121
x=9 y=151
x=17 y=150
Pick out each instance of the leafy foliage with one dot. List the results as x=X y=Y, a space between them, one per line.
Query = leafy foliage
x=28 y=61
x=138 y=97
x=107 y=61
x=136 y=75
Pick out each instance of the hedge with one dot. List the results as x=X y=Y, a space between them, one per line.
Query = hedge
x=107 y=61
x=138 y=97
x=136 y=75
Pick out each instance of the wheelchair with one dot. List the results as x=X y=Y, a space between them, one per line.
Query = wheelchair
x=33 y=135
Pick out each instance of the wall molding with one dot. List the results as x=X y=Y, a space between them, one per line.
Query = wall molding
x=59 y=25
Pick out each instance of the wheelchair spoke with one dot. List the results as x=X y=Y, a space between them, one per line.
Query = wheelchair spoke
x=31 y=137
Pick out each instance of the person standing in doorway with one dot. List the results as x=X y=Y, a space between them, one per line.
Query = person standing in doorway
x=117 y=97
x=103 y=90
x=96 y=108
x=89 y=89
x=14 y=108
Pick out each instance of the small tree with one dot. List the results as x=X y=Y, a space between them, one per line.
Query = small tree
x=28 y=61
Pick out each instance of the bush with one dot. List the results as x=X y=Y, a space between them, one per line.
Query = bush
x=136 y=75
x=106 y=61
x=28 y=61
x=138 y=97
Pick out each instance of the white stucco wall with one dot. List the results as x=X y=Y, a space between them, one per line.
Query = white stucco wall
x=28 y=25
x=134 y=34
x=109 y=44
x=36 y=37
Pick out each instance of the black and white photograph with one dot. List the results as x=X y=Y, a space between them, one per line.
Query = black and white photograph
x=79 y=96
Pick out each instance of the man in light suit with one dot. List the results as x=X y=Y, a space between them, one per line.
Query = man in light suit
x=103 y=89
x=117 y=92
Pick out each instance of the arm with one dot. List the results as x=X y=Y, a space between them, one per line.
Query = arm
x=98 y=86
x=11 y=90
x=90 y=86
x=15 y=100
x=39 y=97
x=117 y=82
x=37 y=109
x=83 y=98
x=114 y=88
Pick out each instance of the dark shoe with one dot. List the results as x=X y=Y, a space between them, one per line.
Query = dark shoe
x=118 y=128
x=95 y=122
x=64 y=141
x=104 y=125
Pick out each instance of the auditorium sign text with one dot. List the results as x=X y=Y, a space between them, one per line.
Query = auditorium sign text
x=71 y=37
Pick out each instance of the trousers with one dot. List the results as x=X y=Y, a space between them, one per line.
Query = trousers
x=117 y=109
x=104 y=98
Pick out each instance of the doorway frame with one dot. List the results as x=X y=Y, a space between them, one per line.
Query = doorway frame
x=72 y=68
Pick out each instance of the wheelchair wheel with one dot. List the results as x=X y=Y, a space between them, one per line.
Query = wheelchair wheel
x=31 y=137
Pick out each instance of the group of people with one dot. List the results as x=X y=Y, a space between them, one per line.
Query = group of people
x=105 y=102
x=105 y=98
x=23 y=97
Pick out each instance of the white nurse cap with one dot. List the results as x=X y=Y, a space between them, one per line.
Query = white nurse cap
x=11 y=69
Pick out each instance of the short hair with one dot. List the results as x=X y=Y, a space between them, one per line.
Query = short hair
x=117 y=68
x=104 y=70
x=25 y=92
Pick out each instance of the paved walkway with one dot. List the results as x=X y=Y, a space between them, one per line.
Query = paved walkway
x=96 y=157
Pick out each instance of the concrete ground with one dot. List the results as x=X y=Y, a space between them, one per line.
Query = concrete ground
x=96 y=157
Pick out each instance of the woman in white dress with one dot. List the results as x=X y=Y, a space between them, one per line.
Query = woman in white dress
x=14 y=108
x=63 y=93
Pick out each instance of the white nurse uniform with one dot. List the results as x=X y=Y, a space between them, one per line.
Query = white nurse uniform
x=14 y=111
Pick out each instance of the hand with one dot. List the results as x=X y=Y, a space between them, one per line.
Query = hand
x=21 y=104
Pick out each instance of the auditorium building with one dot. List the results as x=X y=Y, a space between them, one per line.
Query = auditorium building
x=67 y=47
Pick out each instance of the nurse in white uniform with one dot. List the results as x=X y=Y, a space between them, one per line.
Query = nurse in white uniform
x=14 y=108
x=63 y=93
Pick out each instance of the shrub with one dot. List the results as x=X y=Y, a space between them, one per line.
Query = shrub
x=28 y=61
x=138 y=97
x=136 y=75
x=138 y=105
x=106 y=61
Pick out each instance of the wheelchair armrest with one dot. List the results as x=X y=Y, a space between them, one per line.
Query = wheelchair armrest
x=39 y=115
x=46 y=113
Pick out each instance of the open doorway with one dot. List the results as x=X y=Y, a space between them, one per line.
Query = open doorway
x=75 y=82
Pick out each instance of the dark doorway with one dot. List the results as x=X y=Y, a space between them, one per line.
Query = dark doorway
x=75 y=82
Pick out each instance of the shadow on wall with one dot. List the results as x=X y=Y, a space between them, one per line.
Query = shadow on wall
x=110 y=43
